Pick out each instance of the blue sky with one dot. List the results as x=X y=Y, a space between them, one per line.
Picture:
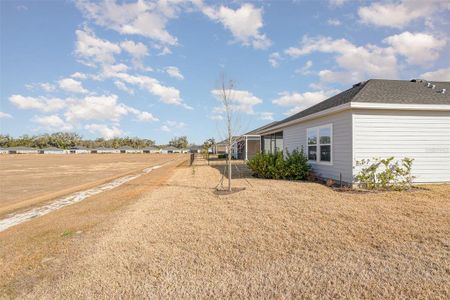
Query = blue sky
x=150 y=68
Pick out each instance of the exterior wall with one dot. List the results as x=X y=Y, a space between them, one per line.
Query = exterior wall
x=422 y=135
x=294 y=137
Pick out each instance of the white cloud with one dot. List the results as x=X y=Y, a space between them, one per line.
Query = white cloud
x=96 y=107
x=137 y=50
x=240 y=101
x=305 y=70
x=92 y=50
x=52 y=122
x=105 y=131
x=39 y=103
x=274 y=59
x=143 y=18
x=337 y=2
x=216 y=117
x=145 y=116
x=267 y=116
x=4 y=115
x=400 y=14
x=244 y=23
x=418 y=48
x=174 y=72
x=170 y=126
x=301 y=101
x=334 y=22
x=359 y=62
x=437 y=75
x=72 y=86
x=166 y=94
x=79 y=75
x=48 y=87
x=123 y=87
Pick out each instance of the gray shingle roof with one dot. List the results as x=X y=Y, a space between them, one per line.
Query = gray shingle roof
x=382 y=91
x=256 y=131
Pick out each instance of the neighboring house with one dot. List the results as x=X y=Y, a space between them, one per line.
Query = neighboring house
x=220 y=147
x=195 y=149
x=151 y=149
x=185 y=150
x=102 y=150
x=79 y=150
x=375 y=118
x=52 y=150
x=128 y=149
x=170 y=149
x=22 y=150
x=3 y=151
x=248 y=145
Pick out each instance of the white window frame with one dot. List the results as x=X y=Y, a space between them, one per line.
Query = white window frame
x=317 y=130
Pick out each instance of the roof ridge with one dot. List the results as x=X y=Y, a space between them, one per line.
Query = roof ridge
x=363 y=85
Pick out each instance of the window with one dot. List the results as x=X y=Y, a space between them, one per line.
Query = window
x=272 y=143
x=319 y=143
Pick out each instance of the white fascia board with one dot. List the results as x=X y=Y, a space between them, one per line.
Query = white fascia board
x=396 y=106
x=356 y=105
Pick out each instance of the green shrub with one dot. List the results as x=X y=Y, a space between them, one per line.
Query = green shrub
x=385 y=174
x=222 y=156
x=274 y=166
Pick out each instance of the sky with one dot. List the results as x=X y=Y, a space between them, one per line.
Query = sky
x=151 y=69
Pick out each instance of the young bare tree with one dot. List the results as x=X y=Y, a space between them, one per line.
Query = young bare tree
x=225 y=94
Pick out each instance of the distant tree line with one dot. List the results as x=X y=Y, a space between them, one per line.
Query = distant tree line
x=179 y=142
x=65 y=140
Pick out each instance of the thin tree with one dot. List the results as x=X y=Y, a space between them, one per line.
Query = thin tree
x=225 y=95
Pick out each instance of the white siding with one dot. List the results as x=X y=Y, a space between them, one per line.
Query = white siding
x=424 y=136
x=294 y=137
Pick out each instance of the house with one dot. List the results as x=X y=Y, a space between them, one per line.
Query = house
x=3 y=151
x=128 y=149
x=220 y=147
x=22 y=150
x=195 y=149
x=151 y=149
x=52 y=150
x=79 y=150
x=103 y=150
x=375 y=118
x=249 y=144
x=185 y=150
x=170 y=149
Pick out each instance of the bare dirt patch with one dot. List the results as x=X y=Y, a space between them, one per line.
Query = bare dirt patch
x=275 y=239
x=27 y=180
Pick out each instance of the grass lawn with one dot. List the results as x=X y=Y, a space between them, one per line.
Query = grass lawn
x=275 y=239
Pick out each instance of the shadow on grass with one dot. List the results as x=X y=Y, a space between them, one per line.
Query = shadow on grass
x=238 y=169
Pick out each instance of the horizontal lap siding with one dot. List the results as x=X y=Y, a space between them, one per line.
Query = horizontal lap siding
x=294 y=137
x=424 y=136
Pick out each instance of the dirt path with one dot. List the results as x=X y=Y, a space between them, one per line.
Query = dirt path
x=42 y=248
x=275 y=239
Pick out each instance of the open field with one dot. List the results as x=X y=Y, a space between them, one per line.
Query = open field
x=27 y=180
x=275 y=239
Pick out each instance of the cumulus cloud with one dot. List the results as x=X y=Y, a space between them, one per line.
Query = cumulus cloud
x=52 y=122
x=174 y=72
x=400 y=14
x=300 y=101
x=245 y=23
x=4 y=115
x=137 y=50
x=170 y=126
x=357 y=62
x=104 y=130
x=123 y=87
x=274 y=59
x=305 y=70
x=267 y=116
x=92 y=50
x=142 y=18
x=437 y=75
x=240 y=101
x=417 y=48
x=72 y=86
x=334 y=22
x=45 y=86
x=39 y=103
x=79 y=75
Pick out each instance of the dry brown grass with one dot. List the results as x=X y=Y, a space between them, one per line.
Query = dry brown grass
x=275 y=239
x=27 y=180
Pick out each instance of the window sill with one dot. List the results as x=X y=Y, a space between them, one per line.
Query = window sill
x=323 y=163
